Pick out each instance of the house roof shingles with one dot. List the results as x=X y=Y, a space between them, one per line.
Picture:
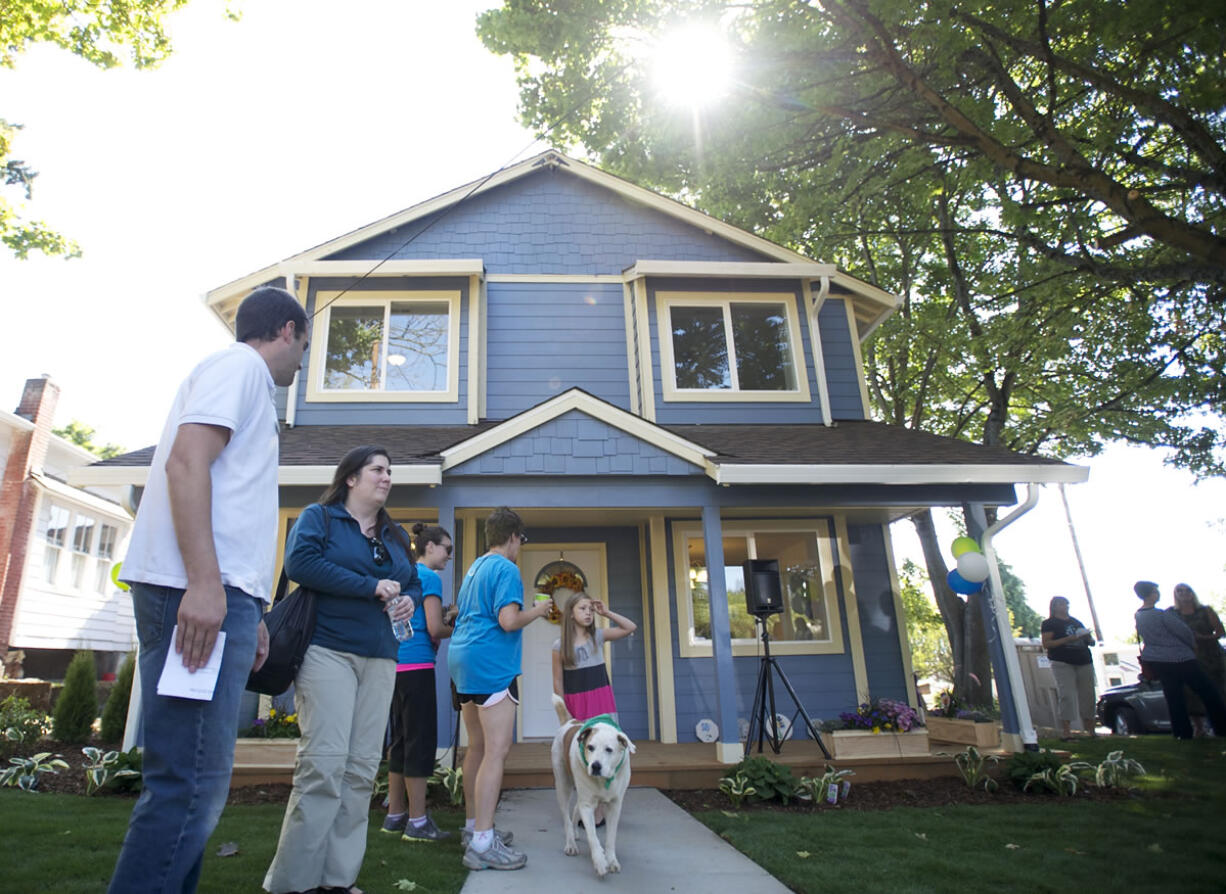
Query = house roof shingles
x=848 y=442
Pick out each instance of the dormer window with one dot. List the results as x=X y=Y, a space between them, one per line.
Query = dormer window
x=730 y=346
x=397 y=346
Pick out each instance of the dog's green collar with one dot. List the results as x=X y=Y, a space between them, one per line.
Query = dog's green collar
x=590 y=722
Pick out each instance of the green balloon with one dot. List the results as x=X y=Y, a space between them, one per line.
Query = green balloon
x=115 y=577
x=964 y=545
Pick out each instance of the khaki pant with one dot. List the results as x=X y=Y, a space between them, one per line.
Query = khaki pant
x=1075 y=683
x=342 y=701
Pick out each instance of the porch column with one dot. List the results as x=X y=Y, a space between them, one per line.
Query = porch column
x=729 y=748
x=1016 y=729
x=442 y=678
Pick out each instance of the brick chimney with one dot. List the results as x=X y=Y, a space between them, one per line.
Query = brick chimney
x=28 y=453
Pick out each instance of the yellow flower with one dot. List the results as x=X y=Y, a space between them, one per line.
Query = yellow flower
x=292 y=718
x=272 y=712
x=876 y=730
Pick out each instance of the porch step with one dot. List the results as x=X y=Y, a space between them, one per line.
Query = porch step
x=690 y=765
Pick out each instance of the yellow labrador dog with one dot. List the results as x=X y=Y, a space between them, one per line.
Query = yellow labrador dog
x=591 y=758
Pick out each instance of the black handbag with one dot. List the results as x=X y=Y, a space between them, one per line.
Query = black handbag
x=291 y=624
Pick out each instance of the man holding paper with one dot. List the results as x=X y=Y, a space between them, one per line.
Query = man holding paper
x=200 y=564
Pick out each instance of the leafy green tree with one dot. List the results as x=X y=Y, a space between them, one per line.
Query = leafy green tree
x=77 y=706
x=83 y=436
x=101 y=32
x=1025 y=620
x=930 y=652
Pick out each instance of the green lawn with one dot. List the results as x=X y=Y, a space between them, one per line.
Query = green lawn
x=68 y=843
x=1167 y=840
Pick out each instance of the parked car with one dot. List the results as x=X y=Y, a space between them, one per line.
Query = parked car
x=1135 y=708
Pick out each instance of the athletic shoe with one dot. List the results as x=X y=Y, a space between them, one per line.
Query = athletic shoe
x=499 y=856
x=395 y=826
x=428 y=831
x=466 y=836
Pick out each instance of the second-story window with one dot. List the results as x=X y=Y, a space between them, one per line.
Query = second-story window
x=733 y=346
x=386 y=346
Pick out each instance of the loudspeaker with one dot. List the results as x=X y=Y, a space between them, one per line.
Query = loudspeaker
x=763 y=590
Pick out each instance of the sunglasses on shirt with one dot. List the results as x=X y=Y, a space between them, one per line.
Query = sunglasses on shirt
x=378 y=550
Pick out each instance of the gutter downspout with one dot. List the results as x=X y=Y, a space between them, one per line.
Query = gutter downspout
x=1029 y=740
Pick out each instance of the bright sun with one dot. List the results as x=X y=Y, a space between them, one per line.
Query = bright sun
x=692 y=66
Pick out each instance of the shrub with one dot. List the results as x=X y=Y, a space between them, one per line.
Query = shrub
x=1025 y=764
x=132 y=760
x=115 y=714
x=77 y=707
x=768 y=779
x=19 y=723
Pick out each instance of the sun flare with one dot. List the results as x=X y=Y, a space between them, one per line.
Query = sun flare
x=693 y=65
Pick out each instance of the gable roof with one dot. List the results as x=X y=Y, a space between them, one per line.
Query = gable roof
x=223 y=300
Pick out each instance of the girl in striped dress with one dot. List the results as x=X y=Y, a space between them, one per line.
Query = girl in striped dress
x=579 y=674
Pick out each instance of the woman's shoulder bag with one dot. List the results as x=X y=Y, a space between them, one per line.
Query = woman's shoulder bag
x=291 y=624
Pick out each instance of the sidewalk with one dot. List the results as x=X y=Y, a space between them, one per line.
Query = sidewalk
x=661 y=848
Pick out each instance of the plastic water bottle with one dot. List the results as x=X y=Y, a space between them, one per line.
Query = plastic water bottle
x=402 y=630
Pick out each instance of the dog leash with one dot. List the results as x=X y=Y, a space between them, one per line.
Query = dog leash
x=592 y=721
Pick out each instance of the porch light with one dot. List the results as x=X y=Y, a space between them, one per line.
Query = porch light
x=698 y=574
x=396 y=359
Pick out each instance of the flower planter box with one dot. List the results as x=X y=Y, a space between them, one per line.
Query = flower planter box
x=265 y=752
x=865 y=743
x=981 y=734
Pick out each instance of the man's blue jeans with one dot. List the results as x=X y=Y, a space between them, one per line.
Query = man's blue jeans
x=188 y=747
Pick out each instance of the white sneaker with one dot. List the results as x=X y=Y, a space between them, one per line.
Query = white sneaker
x=498 y=856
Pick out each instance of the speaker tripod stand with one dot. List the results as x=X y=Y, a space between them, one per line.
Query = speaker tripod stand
x=764 y=700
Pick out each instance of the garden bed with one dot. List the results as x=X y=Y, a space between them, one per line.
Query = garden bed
x=940 y=792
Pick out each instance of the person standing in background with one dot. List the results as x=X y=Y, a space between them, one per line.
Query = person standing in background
x=410 y=758
x=1206 y=627
x=1068 y=642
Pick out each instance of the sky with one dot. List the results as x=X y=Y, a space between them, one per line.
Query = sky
x=260 y=138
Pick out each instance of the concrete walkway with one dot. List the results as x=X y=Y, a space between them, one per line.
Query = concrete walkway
x=661 y=848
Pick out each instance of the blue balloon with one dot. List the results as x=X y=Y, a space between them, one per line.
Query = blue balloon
x=960 y=584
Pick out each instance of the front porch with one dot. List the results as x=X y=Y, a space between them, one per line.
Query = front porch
x=690 y=765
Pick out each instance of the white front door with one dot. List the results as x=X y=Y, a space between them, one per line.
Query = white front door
x=537 y=719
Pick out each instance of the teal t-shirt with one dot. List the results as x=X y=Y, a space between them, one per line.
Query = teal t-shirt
x=419 y=649
x=484 y=658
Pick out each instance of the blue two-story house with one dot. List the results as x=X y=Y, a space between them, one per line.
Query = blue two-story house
x=661 y=396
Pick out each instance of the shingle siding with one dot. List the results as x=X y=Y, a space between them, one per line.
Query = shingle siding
x=576 y=444
x=544 y=338
x=842 y=378
x=549 y=222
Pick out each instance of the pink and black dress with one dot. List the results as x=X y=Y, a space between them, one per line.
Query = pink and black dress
x=585 y=687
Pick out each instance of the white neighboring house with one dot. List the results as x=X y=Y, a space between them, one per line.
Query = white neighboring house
x=57 y=546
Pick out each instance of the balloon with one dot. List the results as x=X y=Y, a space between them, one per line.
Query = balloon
x=963 y=545
x=959 y=584
x=973 y=567
x=115 y=577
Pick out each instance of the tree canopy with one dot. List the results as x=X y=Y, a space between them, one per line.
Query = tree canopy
x=102 y=32
x=83 y=436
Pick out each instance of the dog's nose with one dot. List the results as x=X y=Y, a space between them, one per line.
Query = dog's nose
x=595 y=768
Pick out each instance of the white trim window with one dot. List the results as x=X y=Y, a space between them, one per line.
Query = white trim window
x=108 y=537
x=730 y=346
x=54 y=525
x=386 y=346
x=88 y=540
x=810 y=621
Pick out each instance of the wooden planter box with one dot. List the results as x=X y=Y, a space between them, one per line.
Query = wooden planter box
x=985 y=734
x=864 y=743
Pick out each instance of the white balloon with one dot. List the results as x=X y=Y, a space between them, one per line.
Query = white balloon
x=973 y=567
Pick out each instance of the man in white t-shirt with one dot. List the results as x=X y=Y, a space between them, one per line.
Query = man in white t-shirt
x=200 y=562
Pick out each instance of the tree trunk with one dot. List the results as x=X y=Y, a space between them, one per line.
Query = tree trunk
x=963 y=620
